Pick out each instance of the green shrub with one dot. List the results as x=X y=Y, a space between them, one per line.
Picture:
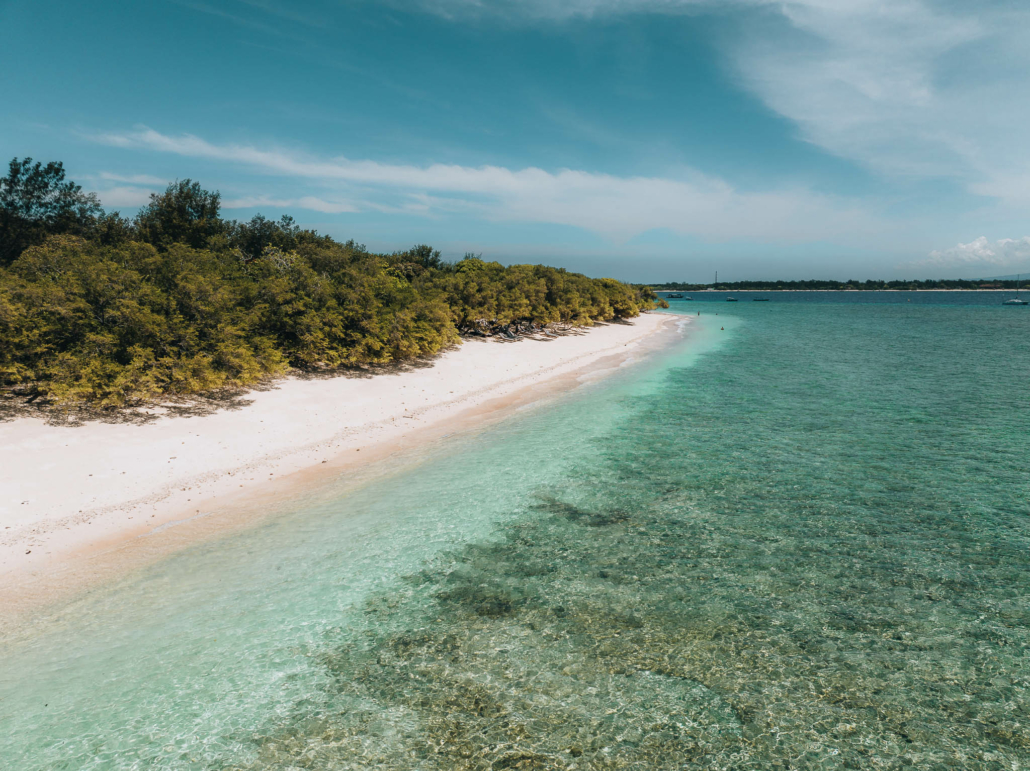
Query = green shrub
x=180 y=302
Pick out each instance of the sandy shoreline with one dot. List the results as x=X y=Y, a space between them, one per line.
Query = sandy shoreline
x=71 y=495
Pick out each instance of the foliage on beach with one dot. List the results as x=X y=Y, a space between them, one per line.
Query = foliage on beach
x=36 y=202
x=96 y=308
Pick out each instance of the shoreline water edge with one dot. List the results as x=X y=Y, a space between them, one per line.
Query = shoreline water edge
x=82 y=504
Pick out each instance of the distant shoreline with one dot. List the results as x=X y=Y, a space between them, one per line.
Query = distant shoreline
x=842 y=291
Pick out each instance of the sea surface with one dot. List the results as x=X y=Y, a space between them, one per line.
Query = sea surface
x=798 y=538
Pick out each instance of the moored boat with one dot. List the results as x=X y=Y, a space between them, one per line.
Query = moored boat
x=1015 y=300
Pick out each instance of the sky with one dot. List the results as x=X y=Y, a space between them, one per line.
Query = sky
x=648 y=140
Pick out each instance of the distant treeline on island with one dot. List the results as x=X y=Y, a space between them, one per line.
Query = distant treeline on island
x=820 y=285
x=100 y=309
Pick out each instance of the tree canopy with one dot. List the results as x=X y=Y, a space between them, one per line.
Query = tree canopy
x=99 y=309
x=185 y=213
x=36 y=202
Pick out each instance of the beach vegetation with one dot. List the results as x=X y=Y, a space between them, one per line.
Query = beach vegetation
x=36 y=201
x=102 y=310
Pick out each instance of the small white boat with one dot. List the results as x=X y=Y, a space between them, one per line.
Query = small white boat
x=1015 y=300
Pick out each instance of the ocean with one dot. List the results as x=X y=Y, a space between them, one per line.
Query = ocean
x=798 y=537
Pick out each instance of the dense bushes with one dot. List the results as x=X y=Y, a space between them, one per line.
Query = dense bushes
x=178 y=301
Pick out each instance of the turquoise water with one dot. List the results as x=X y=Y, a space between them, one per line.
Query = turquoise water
x=797 y=539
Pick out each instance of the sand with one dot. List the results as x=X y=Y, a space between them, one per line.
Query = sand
x=69 y=493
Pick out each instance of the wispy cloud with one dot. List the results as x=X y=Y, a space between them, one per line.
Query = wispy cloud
x=243 y=20
x=925 y=88
x=132 y=195
x=123 y=190
x=312 y=203
x=133 y=179
x=124 y=196
x=568 y=9
x=868 y=80
x=1006 y=252
x=616 y=207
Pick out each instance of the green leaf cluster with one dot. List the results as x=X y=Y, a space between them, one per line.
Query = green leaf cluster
x=113 y=312
x=485 y=296
x=36 y=201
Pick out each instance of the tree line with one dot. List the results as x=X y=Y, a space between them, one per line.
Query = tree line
x=830 y=285
x=106 y=310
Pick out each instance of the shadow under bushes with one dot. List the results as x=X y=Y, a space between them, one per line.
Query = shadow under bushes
x=71 y=416
x=14 y=406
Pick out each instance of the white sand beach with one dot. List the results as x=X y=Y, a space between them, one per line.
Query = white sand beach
x=74 y=492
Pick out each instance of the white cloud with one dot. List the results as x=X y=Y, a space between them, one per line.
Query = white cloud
x=617 y=207
x=565 y=9
x=255 y=201
x=1005 y=252
x=133 y=179
x=929 y=88
x=133 y=196
x=904 y=87
x=134 y=192
x=306 y=202
x=124 y=195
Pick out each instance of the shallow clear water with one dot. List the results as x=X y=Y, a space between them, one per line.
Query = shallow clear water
x=797 y=542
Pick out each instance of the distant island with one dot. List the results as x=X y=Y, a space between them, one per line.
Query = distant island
x=825 y=285
x=109 y=311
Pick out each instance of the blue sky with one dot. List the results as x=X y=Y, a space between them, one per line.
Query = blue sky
x=648 y=139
